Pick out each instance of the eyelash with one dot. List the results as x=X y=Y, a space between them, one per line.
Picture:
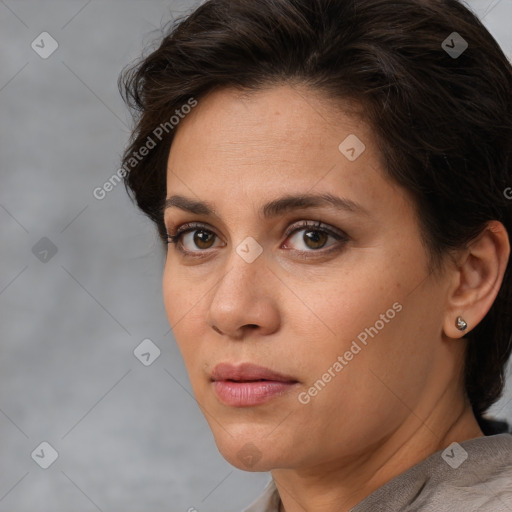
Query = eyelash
x=310 y=225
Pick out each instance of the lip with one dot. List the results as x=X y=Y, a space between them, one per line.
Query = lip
x=247 y=372
x=247 y=384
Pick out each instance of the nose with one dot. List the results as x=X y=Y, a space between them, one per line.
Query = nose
x=244 y=301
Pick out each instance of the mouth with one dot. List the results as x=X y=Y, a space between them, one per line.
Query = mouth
x=247 y=385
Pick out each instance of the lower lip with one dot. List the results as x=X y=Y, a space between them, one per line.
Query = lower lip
x=244 y=394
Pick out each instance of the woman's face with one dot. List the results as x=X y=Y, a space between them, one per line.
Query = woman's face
x=332 y=292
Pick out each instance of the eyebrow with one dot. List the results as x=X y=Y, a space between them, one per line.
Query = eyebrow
x=271 y=209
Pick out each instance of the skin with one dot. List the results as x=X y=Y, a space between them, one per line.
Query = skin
x=401 y=397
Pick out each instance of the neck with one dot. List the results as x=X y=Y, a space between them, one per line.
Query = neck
x=339 y=486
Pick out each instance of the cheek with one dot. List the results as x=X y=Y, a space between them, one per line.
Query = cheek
x=365 y=389
x=341 y=303
x=366 y=314
x=182 y=301
x=182 y=290
x=170 y=291
x=386 y=343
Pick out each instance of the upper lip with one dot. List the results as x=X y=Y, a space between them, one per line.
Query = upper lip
x=247 y=372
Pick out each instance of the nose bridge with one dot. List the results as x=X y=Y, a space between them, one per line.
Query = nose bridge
x=242 y=296
x=244 y=270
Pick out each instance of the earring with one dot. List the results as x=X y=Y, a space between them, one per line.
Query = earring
x=461 y=324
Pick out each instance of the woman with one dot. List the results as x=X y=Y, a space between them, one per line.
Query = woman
x=330 y=178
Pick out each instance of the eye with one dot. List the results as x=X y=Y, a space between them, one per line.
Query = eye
x=190 y=238
x=313 y=236
x=194 y=239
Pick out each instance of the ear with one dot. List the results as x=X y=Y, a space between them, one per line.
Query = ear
x=477 y=279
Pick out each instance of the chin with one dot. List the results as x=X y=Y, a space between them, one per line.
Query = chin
x=246 y=454
x=248 y=457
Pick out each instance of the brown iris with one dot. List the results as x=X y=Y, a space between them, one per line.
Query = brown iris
x=315 y=239
x=203 y=239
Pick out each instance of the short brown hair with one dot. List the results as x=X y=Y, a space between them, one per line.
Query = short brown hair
x=443 y=122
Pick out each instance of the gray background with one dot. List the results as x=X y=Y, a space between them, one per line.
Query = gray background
x=129 y=437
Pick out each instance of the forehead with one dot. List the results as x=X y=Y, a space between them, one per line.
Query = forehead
x=278 y=141
x=276 y=125
x=284 y=115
